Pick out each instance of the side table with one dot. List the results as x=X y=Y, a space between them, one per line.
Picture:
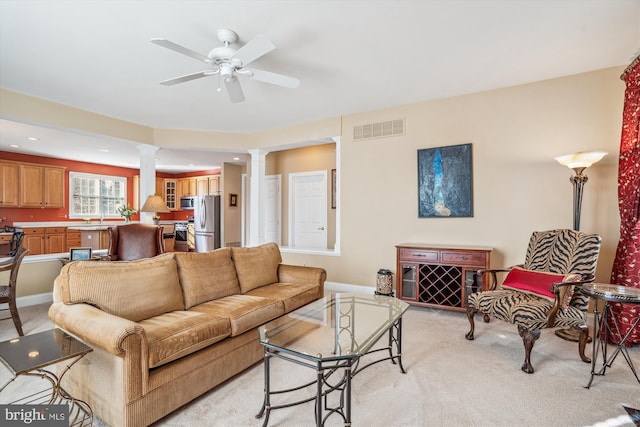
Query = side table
x=603 y=330
x=30 y=354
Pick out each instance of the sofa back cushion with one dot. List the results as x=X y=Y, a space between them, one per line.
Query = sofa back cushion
x=133 y=290
x=206 y=276
x=256 y=266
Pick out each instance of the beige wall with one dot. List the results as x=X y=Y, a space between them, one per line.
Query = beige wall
x=306 y=159
x=231 y=184
x=518 y=187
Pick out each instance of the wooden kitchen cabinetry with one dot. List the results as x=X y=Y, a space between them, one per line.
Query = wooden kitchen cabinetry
x=34 y=240
x=214 y=185
x=208 y=185
x=55 y=239
x=45 y=240
x=187 y=186
x=41 y=186
x=9 y=184
x=170 y=194
x=74 y=240
x=435 y=276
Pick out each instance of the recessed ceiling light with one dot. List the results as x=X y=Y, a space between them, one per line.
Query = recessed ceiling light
x=33 y=138
x=14 y=146
x=236 y=158
x=103 y=150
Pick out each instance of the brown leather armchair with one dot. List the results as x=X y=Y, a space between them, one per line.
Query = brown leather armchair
x=135 y=241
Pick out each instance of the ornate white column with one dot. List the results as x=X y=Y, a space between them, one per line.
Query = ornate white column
x=147 y=178
x=256 y=198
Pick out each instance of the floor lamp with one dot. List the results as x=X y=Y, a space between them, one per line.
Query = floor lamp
x=578 y=162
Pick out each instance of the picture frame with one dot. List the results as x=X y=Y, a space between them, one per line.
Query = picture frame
x=233 y=200
x=333 y=188
x=78 y=254
x=445 y=182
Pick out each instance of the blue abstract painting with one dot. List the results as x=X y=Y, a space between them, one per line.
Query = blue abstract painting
x=445 y=182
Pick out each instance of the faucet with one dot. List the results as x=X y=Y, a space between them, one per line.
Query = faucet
x=101 y=217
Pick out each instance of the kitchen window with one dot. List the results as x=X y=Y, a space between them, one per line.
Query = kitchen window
x=96 y=196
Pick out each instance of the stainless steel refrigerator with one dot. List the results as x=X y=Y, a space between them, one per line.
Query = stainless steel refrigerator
x=206 y=219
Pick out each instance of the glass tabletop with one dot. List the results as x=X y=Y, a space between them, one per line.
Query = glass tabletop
x=30 y=352
x=338 y=326
x=611 y=292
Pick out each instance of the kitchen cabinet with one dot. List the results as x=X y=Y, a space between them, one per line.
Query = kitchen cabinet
x=74 y=239
x=55 y=240
x=45 y=240
x=187 y=186
x=9 y=184
x=441 y=277
x=214 y=185
x=202 y=186
x=170 y=194
x=41 y=186
x=34 y=240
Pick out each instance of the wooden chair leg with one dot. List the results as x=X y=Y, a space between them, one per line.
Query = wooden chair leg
x=528 y=338
x=582 y=341
x=470 y=313
x=13 y=308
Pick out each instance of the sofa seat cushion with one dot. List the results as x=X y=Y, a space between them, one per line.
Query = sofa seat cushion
x=524 y=309
x=243 y=311
x=293 y=295
x=256 y=266
x=179 y=333
x=206 y=276
x=134 y=290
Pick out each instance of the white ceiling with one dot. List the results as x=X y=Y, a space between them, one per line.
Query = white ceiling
x=350 y=56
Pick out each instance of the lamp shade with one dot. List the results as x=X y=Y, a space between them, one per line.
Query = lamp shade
x=154 y=203
x=581 y=160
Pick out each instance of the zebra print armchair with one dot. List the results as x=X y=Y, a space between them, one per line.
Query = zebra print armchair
x=539 y=293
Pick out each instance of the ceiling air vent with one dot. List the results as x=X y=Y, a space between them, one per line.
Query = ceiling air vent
x=378 y=130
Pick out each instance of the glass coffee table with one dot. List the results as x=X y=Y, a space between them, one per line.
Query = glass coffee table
x=30 y=355
x=331 y=336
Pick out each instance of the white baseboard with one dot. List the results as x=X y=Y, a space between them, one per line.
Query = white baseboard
x=47 y=297
x=345 y=287
x=25 y=302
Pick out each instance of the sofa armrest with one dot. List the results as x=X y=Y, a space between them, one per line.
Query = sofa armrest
x=95 y=327
x=302 y=274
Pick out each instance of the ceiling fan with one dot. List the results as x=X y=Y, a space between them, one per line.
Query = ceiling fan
x=229 y=63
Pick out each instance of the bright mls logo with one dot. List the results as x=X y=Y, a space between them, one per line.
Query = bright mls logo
x=34 y=415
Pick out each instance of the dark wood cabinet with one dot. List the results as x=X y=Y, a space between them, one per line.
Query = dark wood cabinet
x=438 y=276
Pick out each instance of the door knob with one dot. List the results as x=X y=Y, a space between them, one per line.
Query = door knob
x=321 y=228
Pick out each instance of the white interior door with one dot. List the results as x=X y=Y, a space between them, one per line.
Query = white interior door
x=272 y=209
x=308 y=210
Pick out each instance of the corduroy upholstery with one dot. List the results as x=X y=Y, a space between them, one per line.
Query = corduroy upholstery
x=143 y=369
x=555 y=251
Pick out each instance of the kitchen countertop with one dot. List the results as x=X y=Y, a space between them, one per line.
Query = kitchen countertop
x=80 y=225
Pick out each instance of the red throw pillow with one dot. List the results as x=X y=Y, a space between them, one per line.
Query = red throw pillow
x=539 y=283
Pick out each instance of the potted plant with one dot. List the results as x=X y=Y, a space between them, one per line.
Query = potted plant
x=126 y=212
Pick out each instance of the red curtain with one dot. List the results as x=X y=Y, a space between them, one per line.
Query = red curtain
x=626 y=266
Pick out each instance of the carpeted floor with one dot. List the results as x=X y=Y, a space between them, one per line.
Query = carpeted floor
x=449 y=382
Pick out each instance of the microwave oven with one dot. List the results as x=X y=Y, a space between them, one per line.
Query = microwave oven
x=187 y=203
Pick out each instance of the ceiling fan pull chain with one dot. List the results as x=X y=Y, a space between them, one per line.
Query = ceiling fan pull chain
x=219 y=77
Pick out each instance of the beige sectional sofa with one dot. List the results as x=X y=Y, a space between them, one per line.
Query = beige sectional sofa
x=165 y=330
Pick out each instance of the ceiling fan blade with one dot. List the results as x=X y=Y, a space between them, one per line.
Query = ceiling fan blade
x=253 y=50
x=234 y=89
x=181 y=49
x=272 y=78
x=188 y=77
